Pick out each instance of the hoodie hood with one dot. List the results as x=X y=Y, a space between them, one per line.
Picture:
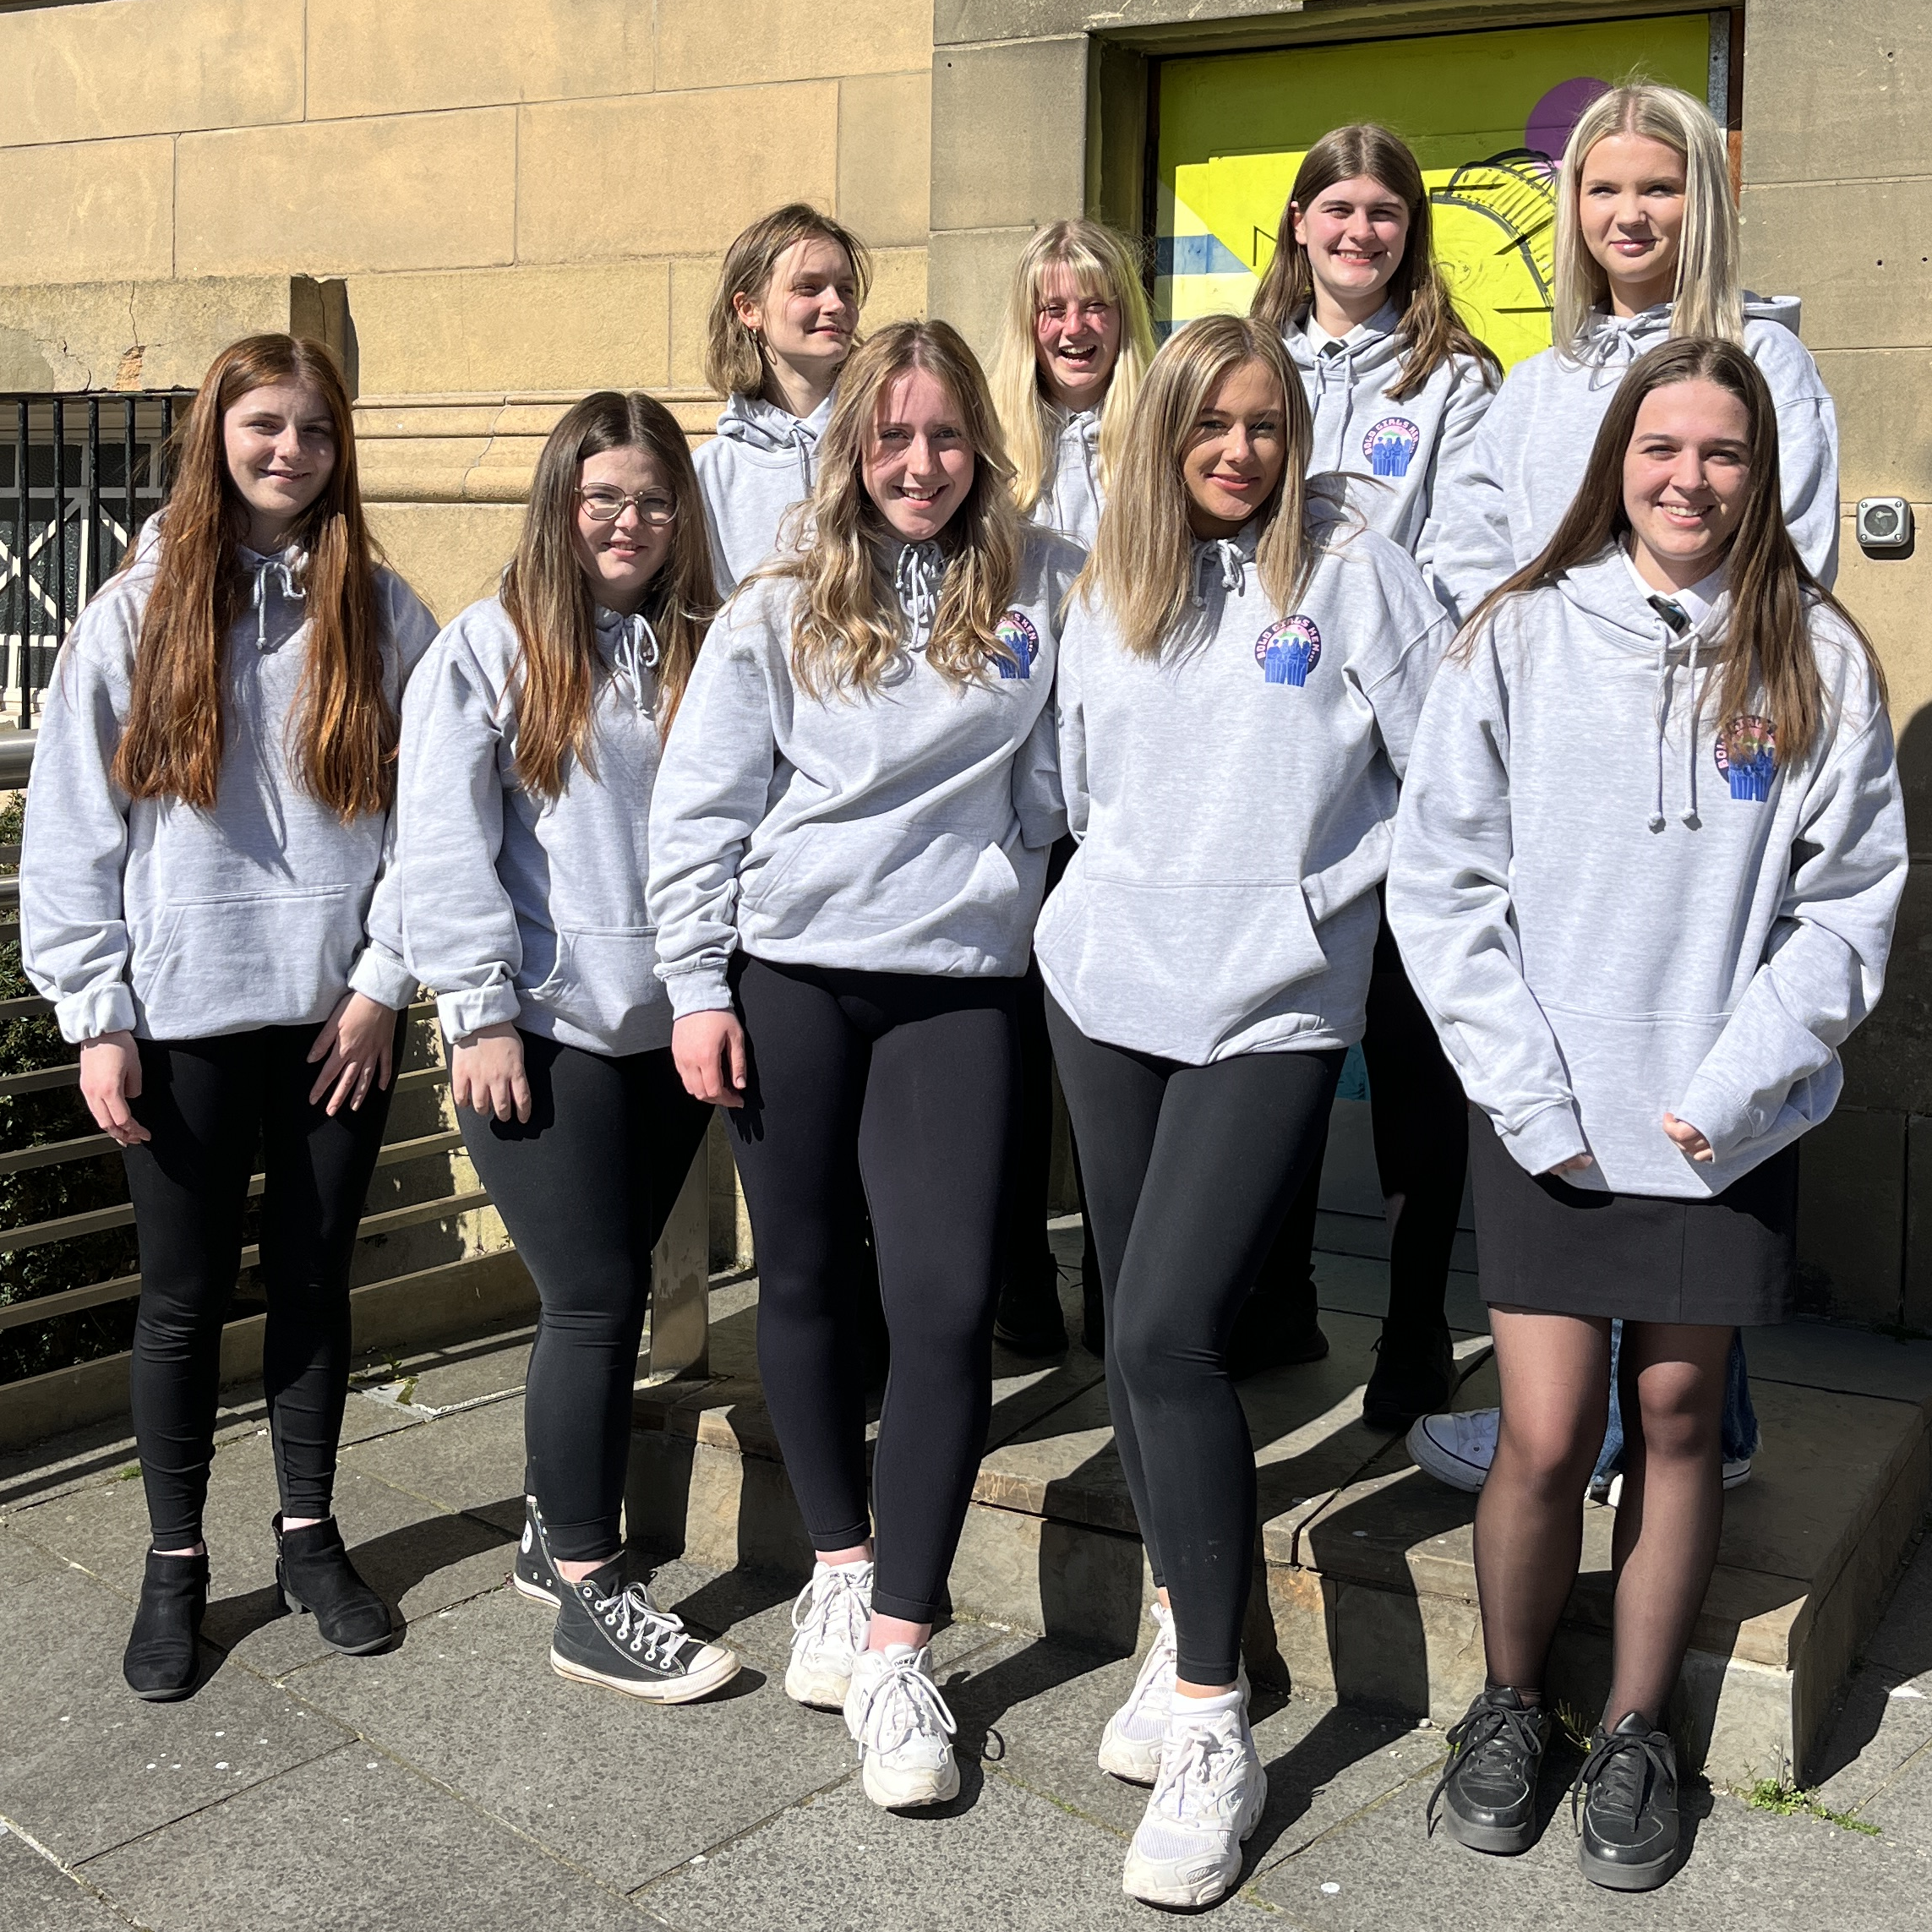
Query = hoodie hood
x=1069 y=500
x=761 y=464
x=770 y=428
x=1612 y=343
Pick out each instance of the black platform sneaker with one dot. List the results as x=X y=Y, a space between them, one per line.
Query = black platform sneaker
x=615 y=1636
x=1627 y=1791
x=1414 y=1376
x=313 y=1573
x=1488 y=1788
x=160 y=1659
x=534 y=1575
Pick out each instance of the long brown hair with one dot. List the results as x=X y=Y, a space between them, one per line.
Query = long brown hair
x=1141 y=567
x=1434 y=331
x=344 y=731
x=547 y=598
x=1766 y=644
x=847 y=629
x=734 y=357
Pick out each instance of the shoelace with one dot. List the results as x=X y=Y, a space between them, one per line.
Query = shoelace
x=640 y=1626
x=904 y=1704
x=1195 y=1771
x=1618 y=1773
x=273 y=566
x=1515 y=1731
x=1159 y=1670
x=841 y=1595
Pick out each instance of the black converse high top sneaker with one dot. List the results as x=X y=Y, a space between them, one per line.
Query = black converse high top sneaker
x=608 y=1635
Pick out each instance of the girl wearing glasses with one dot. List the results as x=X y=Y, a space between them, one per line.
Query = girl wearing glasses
x=848 y=842
x=782 y=321
x=529 y=747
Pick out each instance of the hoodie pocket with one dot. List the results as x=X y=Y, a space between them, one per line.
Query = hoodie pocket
x=601 y=976
x=1625 y=1071
x=255 y=959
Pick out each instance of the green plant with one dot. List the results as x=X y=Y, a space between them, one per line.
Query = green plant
x=1786 y=1801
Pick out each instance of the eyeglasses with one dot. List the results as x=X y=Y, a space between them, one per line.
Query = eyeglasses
x=607 y=505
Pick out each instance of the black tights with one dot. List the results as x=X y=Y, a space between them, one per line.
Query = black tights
x=208 y=1105
x=913 y=1076
x=1189 y=1172
x=1555 y=1372
x=584 y=1188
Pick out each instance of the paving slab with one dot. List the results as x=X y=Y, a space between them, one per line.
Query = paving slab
x=351 y=1842
x=86 y=1764
x=36 y=1896
x=469 y=1460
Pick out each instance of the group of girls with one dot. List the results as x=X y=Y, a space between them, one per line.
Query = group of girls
x=1639 y=821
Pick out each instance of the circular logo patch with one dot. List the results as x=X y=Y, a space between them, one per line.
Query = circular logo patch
x=1746 y=752
x=1390 y=446
x=1015 y=630
x=1288 y=650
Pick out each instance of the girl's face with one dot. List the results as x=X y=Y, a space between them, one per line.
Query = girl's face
x=280 y=445
x=1630 y=208
x=1355 y=233
x=1236 y=451
x=809 y=311
x=1076 y=340
x=1687 y=476
x=918 y=460
x=620 y=553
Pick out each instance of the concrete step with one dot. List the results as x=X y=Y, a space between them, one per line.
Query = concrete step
x=1368 y=1590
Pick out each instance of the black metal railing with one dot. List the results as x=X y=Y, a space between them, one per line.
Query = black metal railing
x=79 y=476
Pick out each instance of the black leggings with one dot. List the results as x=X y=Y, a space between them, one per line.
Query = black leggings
x=1189 y=1173
x=914 y=1074
x=585 y=1187
x=208 y=1106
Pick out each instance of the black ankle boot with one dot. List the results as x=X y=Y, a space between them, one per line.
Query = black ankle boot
x=160 y=1661
x=314 y=1574
x=1029 y=1320
x=1627 y=1790
x=1414 y=1375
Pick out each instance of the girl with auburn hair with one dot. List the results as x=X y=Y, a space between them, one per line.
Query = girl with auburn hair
x=1073 y=347
x=530 y=743
x=1647 y=249
x=1240 y=675
x=205 y=898
x=849 y=842
x=1663 y=719
x=783 y=320
x=1397 y=386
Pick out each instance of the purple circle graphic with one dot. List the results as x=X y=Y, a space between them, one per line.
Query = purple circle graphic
x=1552 y=119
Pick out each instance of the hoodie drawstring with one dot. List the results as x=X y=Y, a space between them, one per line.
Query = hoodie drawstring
x=1329 y=452
x=1677 y=625
x=271 y=567
x=1233 y=568
x=915 y=582
x=634 y=657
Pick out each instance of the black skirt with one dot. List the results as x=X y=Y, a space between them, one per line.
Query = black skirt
x=1726 y=1260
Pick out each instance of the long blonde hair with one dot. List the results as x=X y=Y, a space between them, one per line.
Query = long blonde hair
x=546 y=597
x=1099 y=263
x=1432 y=329
x=1142 y=568
x=734 y=357
x=848 y=629
x=1708 y=298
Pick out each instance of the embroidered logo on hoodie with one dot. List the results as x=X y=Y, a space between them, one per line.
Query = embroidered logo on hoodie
x=1746 y=752
x=1288 y=650
x=1015 y=630
x=1390 y=446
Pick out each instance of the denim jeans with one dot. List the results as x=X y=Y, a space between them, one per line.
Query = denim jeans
x=1740 y=1425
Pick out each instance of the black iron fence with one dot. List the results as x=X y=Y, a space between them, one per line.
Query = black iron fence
x=79 y=476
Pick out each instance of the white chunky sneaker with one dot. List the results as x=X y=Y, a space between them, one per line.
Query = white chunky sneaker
x=1130 y=1744
x=903 y=1729
x=1457 y=1448
x=828 y=1630
x=1207 y=1800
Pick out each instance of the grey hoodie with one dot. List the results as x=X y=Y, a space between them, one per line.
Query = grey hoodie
x=1534 y=445
x=1233 y=801
x=760 y=464
x=149 y=915
x=1400 y=457
x=1613 y=902
x=515 y=906
x=900 y=830
x=1069 y=500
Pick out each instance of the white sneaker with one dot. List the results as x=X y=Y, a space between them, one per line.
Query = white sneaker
x=829 y=1629
x=903 y=1729
x=1735 y=1475
x=1207 y=1801
x=1130 y=1744
x=1457 y=1448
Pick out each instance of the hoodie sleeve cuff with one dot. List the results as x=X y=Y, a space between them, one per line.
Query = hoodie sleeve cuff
x=1726 y=1119
x=103 y=1009
x=462 y=1013
x=1551 y=1135
x=381 y=976
x=702 y=989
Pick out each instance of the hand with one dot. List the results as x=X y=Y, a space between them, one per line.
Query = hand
x=356 y=1047
x=1689 y=1139
x=702 y=1046
x=110 y=1078
x=1574 y=1164
x=486 y=1073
